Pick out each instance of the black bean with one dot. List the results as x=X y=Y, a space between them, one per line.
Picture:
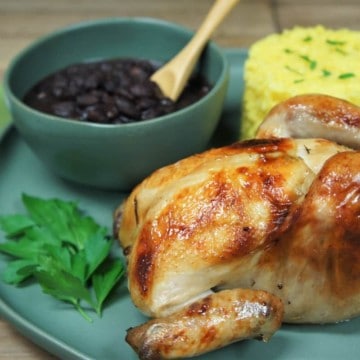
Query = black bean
x=166 y=102
x=151 y=113
x=106 y=98
x=87 y=99
x=60 y=81
x=92 y=81
x=41 y=95
x=78 y=80
x=72 y=90
x=115 y=91
x=142 y=90
x=111 y=111
x=145 y=103
x=95 y=114
x=137 y=72
x=126 y=107
x=109 y=85
x=64 y=109
x=58 y=91
x=124 y=92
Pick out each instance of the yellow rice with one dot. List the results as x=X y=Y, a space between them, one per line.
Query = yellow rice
x=298 y=61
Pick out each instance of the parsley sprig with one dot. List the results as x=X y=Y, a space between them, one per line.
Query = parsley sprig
x=66 y=251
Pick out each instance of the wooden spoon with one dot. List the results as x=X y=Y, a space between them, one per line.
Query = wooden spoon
x=173 y=76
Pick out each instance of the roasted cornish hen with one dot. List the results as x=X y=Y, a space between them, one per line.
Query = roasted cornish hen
x=230 y=243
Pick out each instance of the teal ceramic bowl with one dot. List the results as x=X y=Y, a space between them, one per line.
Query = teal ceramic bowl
x=119 y=156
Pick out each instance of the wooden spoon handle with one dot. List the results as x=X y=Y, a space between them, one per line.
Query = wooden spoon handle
x=215 y=16
x=173 y=77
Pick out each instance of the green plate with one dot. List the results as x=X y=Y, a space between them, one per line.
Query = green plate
x=58 y=328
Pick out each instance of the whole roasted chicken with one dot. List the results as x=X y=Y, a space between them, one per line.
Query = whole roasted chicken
x=228 y=244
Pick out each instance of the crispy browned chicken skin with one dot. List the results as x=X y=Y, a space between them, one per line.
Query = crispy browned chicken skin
x=277 y=216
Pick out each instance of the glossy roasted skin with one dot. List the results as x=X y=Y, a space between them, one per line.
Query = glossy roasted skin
x=194 y=225
x=279 y=215
x=316 y=262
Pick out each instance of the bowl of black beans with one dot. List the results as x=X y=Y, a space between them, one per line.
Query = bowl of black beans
x=83 y=101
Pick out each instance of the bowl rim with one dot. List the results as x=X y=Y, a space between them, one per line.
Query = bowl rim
x=108 y=21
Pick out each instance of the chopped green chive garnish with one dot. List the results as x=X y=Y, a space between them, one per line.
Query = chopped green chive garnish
x=335 y=42
x=292 y=70
x=307 y=39
x=340 y=51
x=346 y=75
x=326 y=73
x=312 y=63
x=288 y=51
x=298 y=81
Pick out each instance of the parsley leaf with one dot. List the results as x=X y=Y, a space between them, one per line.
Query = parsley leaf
x=15 y=224
x=104 y=280
x=96 y=251
x=18 y=271
x=66 y=251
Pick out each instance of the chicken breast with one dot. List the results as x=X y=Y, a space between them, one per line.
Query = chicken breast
x=204 y=221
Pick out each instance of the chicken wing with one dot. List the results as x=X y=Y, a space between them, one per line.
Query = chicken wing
x=314 y=115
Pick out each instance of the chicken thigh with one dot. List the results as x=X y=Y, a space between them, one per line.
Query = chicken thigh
x=250 y=235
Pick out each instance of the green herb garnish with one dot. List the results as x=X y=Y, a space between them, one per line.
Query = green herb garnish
x=287 y=67
x=326 y=73
x=312 y=63
x=340 y=51
x=307 y=39
x=346 y=75
x=335 y=42
x=66 y=251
